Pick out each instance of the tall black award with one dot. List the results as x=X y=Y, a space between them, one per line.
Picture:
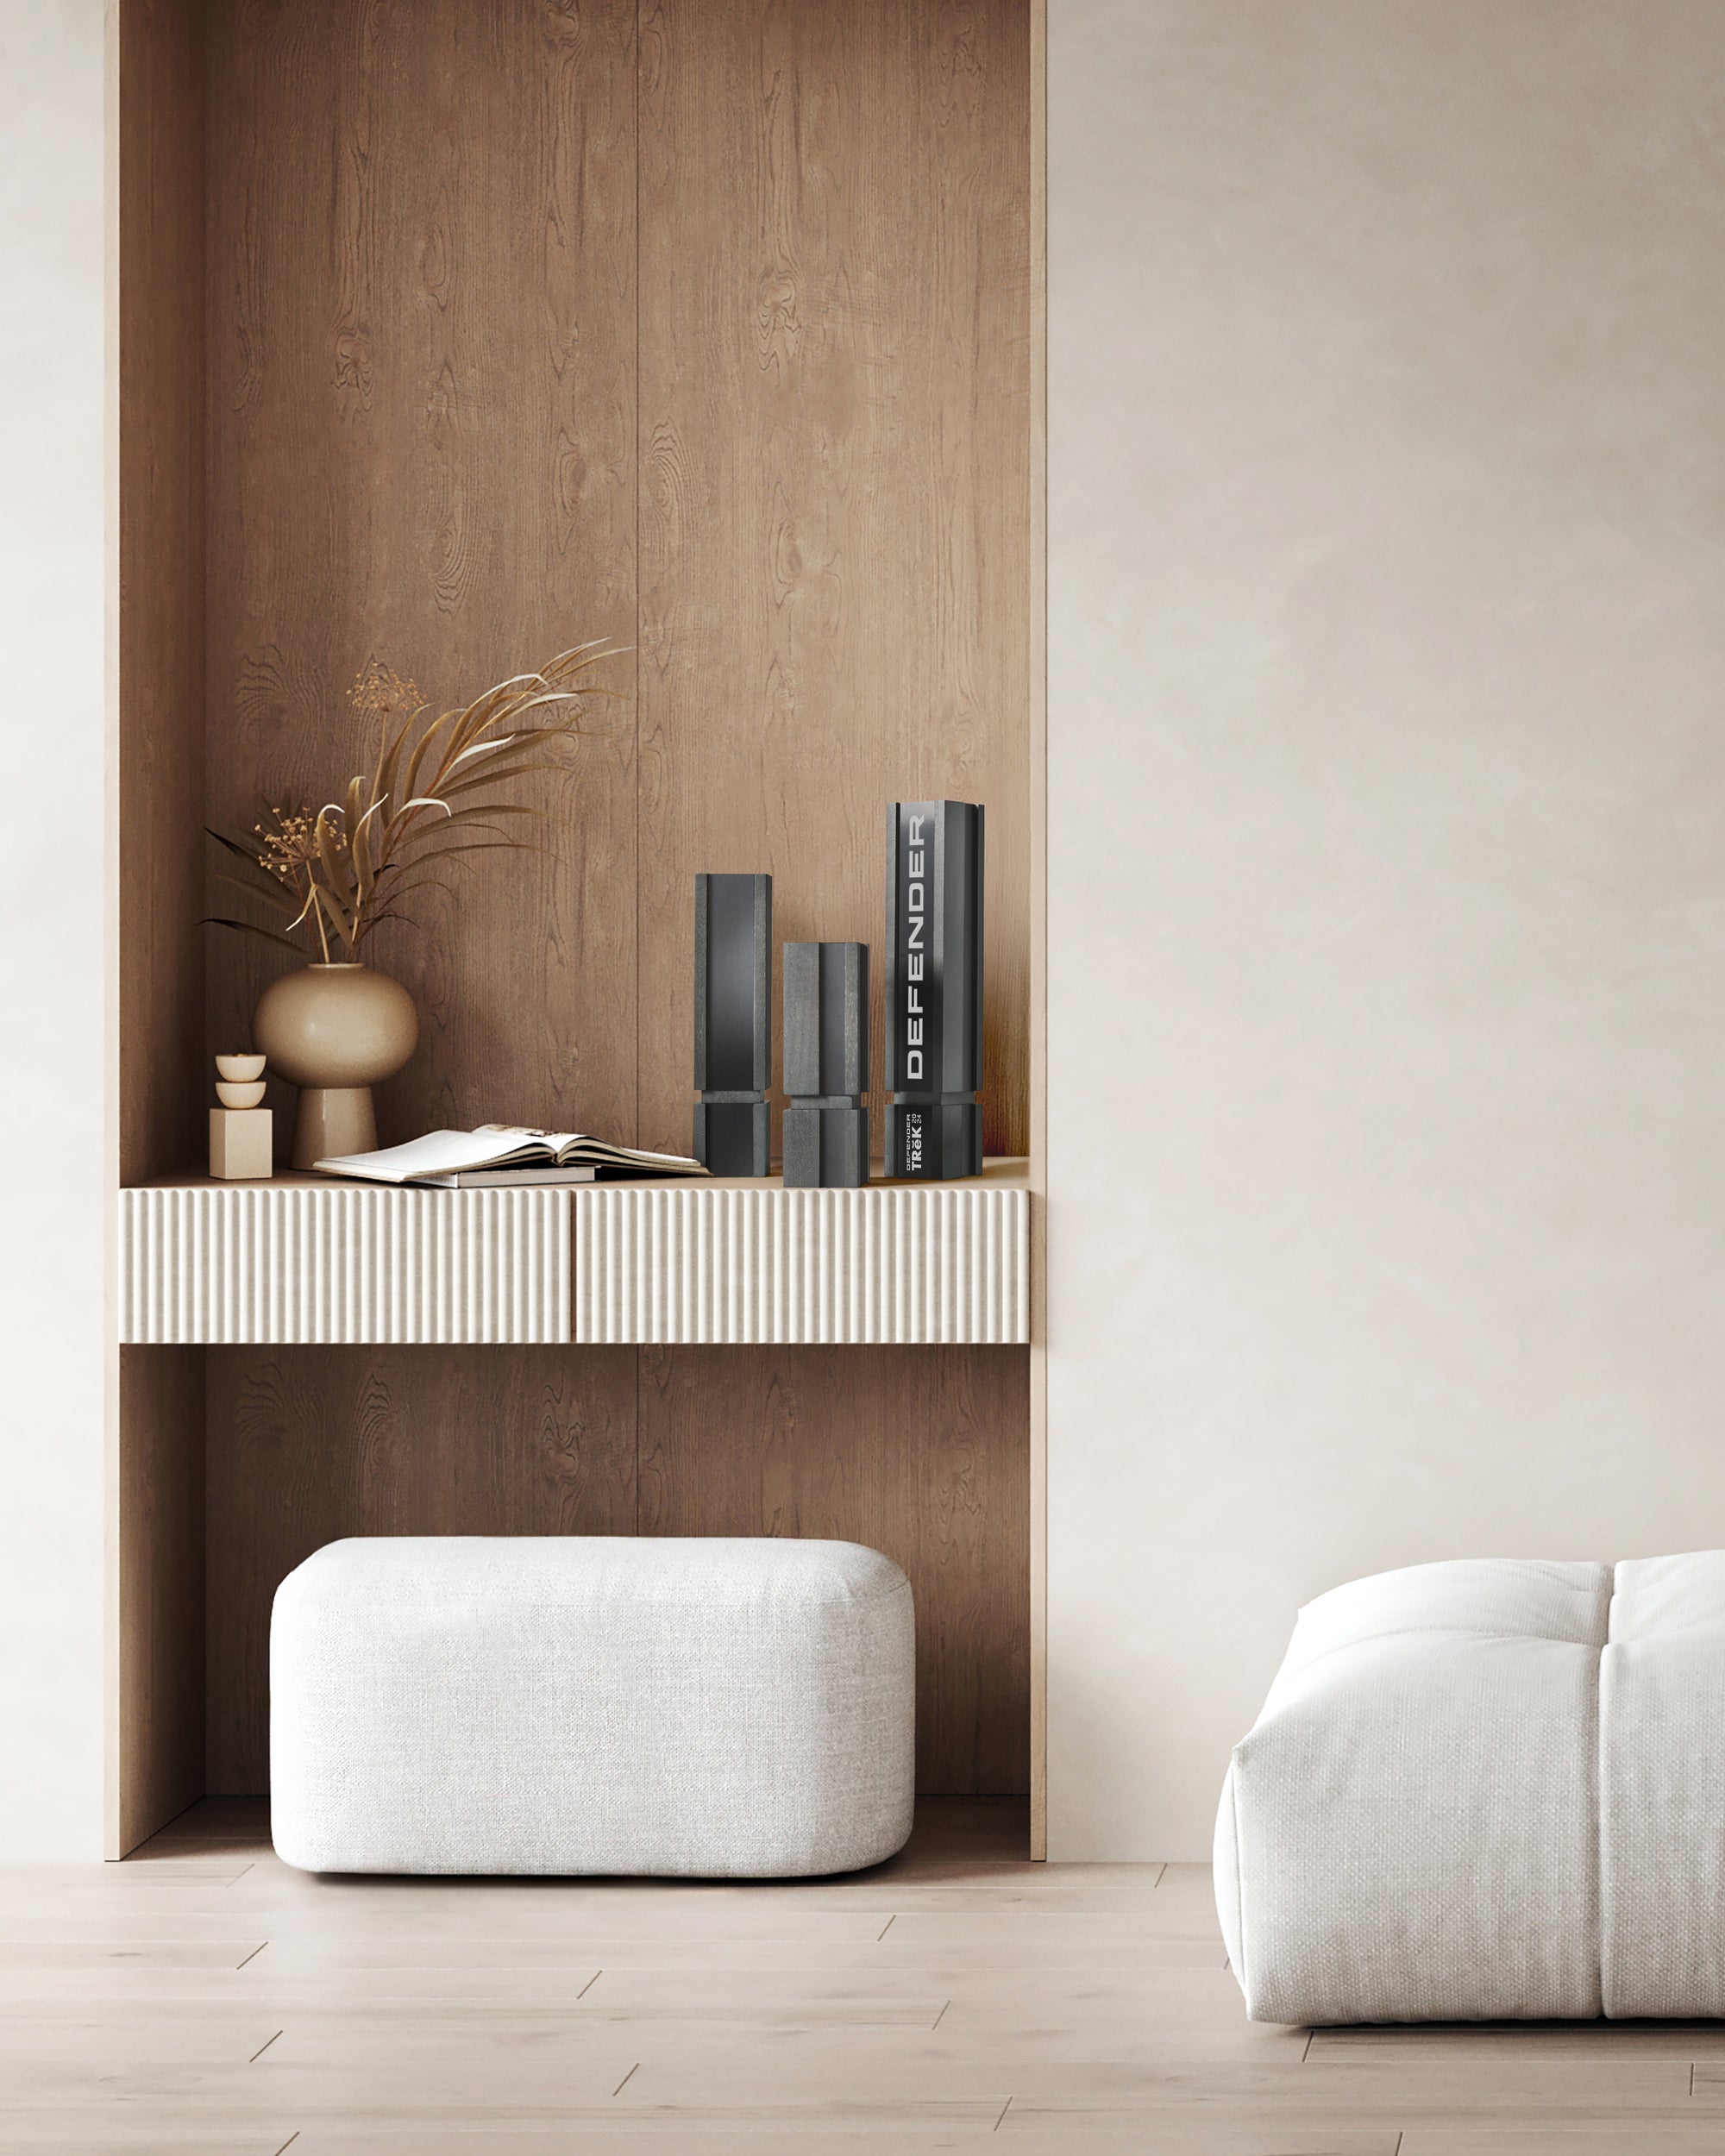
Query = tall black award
x=826 y=1065
x=733 y=1024
x=934 y=989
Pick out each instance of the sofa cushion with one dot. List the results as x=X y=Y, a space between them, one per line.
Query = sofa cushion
x=1409 y=1832
x=1662 y=1790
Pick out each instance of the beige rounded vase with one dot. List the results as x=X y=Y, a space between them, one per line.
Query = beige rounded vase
x=334 y=1031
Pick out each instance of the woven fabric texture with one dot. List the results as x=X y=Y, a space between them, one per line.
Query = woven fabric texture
x=1486 y=1790
x=708 y=1707
x=1662 y=1790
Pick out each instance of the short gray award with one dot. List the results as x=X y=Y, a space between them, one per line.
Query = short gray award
x=733 y=1024
x=826 y=1066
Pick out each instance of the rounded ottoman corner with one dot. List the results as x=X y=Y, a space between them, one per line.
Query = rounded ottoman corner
x=307 y=1580
x=296 y=1850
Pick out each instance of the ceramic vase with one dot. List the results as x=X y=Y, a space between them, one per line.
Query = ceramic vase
x=334 y=1031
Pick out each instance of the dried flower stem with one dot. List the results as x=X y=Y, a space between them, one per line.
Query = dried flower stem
x=343 y=868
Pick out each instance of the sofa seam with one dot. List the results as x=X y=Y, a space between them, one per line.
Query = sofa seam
x=1456 y=1632
x=1599 y=1924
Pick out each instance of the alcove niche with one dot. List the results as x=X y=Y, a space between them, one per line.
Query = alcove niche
x=454 y=334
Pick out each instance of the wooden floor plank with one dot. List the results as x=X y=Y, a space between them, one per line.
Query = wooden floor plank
x=856 y=1998
x=1229 y=2136
x=588 y=2136
x=1565 y=2086
x=1616 y=2133
x=166 y=2131
x=1222 y=2132
x=1541 y=2045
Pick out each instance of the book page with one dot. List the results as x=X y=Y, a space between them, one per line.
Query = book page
x=440 y=1153
x=558 y=1144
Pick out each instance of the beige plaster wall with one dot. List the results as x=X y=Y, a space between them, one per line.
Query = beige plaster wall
x=1387 y=851
x=53 y=1119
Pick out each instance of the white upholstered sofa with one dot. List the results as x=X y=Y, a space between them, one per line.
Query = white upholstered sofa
x=1487 y=1790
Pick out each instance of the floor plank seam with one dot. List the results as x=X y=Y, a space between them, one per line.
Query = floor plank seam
x=288 y=2143
x=886 y=1926
x=941 y=2016
x=1307 y=2053
x=590 y=1982
x=238 y=1875
x=1005 y=2108
x=254 y=1955
x=261 y=2049
x=625 y=2081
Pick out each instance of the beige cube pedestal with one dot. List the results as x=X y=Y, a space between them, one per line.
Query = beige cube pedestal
x=242 y=1144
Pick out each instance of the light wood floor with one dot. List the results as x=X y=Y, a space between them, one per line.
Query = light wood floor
x=203 y=1997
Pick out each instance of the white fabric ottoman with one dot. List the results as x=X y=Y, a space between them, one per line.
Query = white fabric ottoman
x=707 y=1707
x=1487 y=1790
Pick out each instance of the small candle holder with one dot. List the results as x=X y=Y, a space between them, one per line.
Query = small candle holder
x=241 y=1134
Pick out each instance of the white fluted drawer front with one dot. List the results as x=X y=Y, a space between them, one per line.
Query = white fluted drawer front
x=342 y=1263
x=721 y=1265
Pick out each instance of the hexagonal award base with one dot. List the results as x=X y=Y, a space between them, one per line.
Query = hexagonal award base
x=826 y=1149
x=933 y=1141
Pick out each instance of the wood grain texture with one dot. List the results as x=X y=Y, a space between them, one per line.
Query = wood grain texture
x=835 y=323
x=307 y=1445
x=920 y=1452
x=159 y=686
x=422 y=442
x=159 y=1601
x=154 y=1450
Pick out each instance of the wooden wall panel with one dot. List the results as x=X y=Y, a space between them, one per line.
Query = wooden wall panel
x=155 y=1502
x=921 y=1452
x=160 y=659
x=158 y=1502
x=309 y=1444
x=834 y=486
x=421 y=357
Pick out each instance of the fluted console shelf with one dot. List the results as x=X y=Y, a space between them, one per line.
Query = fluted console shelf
x=306 y=1260
x=748 y=1261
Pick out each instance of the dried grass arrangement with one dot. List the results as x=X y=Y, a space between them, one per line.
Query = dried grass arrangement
x=333 y=874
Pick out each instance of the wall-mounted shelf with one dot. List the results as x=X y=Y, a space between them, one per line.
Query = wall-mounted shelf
x=303 y=1260
x=751 y=1262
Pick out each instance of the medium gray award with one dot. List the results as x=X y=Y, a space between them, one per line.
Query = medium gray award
x=826 y=1066
x=934 y=990
x=733 y=1024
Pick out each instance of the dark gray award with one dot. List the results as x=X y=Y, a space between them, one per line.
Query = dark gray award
x=733 y=1024
x=934 y=990
x=826 y=1065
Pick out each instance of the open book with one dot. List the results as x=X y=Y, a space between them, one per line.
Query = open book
x=504 y=1154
